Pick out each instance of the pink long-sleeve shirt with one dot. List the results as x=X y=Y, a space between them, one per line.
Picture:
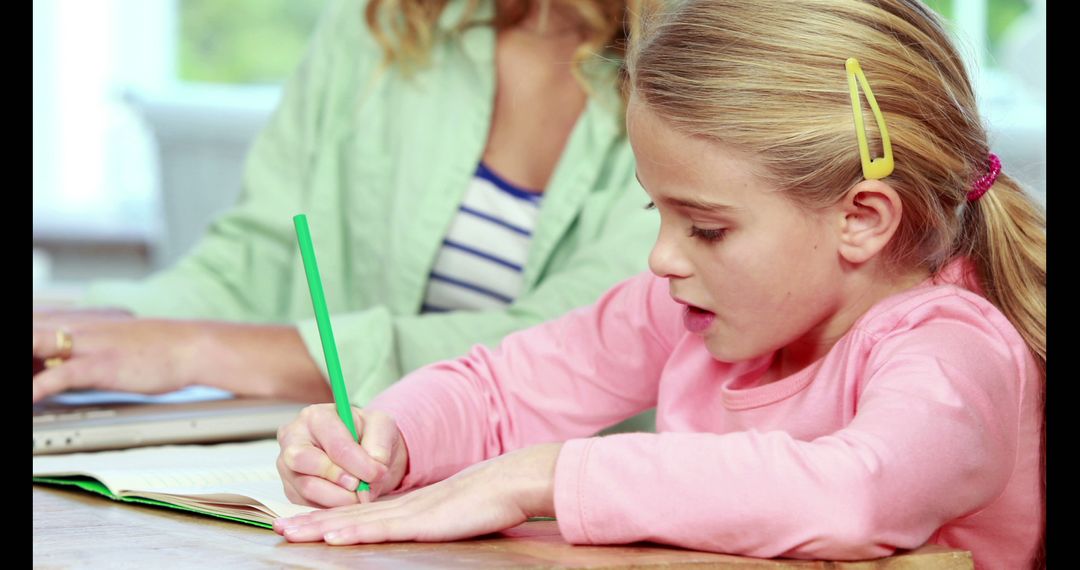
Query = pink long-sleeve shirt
x=920 y=425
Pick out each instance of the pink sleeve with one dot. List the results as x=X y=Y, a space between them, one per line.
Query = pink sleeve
x=565 y=378
x=933 y=438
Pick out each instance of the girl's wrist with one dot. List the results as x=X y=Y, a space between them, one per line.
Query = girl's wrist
x=535 y=493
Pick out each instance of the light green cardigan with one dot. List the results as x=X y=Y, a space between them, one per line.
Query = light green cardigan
x=380 y=162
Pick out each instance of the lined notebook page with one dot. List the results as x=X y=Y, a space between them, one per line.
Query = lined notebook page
x=231 y=473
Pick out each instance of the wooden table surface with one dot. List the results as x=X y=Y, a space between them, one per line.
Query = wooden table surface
x=74 y=529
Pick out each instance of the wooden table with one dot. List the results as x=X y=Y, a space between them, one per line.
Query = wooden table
x=73 y=529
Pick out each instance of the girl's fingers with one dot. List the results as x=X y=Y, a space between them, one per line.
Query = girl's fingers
x=397 y=507
x=396 y=529
x=379 y=437
x=306 y=459
x=292 y=494
x=319 y=492
x=330 y=434
x=318 y=444
x=350 y=525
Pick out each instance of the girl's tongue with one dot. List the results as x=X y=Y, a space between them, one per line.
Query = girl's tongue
x=696 y=319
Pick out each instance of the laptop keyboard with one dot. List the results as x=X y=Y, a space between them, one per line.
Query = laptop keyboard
x=45 y=417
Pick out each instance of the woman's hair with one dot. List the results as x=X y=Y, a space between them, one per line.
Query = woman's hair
x=769 y=77
x=407 y=29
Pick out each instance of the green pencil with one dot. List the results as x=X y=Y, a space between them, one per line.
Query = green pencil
x=322 y=317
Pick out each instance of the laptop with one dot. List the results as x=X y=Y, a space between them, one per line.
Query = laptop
x=95 y=420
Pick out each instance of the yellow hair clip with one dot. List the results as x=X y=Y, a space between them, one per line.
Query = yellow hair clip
x=877 y=168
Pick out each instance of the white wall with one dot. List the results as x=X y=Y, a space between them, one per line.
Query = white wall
x=95 y=171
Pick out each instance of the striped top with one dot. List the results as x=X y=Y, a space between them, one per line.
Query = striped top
x=482 y=257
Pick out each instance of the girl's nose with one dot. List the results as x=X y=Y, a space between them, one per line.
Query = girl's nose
x=666 y=259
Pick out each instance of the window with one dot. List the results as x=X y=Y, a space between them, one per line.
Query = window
x=1004 y=42
x=121 y=88
x=985 y=22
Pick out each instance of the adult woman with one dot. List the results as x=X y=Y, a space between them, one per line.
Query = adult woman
x=399 y=109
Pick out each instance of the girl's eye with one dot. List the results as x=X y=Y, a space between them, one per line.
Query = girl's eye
x=707 y=235
x=650 y=206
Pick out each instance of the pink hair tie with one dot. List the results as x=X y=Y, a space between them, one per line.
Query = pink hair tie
x=986 y=180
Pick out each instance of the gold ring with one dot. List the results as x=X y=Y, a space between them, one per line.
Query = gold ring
x=53 y=362
x=63 y=344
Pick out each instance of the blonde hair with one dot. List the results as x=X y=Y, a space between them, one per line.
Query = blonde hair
x=769 y=77
x=407 y=29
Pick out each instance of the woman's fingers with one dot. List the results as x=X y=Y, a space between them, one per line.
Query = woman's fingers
x=76 y=373
x=50 y=342
x=131 y=355
x=59 y=316
x=51 y=326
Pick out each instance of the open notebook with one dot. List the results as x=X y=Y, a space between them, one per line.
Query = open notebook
x=236 y=481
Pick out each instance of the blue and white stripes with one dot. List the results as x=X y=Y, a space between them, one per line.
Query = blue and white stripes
x=482 y=259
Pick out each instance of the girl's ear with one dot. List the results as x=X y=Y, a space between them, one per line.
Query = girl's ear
x=871 y=213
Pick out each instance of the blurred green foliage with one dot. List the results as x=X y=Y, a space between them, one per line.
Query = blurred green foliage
x=261 y=41
x=1000 y=15
x=244 y=41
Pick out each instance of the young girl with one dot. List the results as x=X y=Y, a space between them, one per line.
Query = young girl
x=846 y=355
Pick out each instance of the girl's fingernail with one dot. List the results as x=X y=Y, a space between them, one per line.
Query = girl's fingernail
x=349 y=482
x=331 y=536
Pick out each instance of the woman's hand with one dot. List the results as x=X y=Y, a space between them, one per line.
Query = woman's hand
x=112 y=350
x=109 y=350
x=321 y=465
x=487 y=497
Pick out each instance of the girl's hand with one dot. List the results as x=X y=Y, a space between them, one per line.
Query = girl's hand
x=321 y=465
x=487 y=497
x=112 y=350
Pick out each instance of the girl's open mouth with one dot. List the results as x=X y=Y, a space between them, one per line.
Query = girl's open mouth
x=696 y=319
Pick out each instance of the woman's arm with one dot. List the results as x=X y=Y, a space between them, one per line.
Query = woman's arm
x=240 y=271
x=243 y=265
